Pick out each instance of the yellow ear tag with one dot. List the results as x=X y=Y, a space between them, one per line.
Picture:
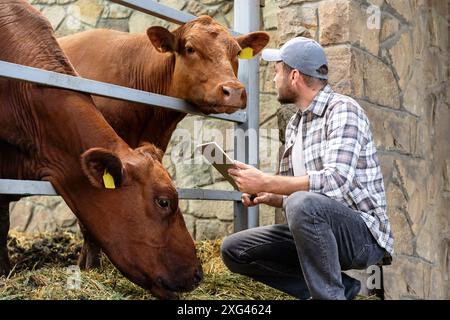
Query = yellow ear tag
x=246 y=53
x=108 y=180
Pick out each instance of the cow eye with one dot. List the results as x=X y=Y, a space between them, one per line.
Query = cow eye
x=162 y=203
x=190 y=50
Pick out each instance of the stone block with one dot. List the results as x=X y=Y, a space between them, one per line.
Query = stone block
x=398 y=218
x=43 y=1
x=285 y=3
x=55 y=14
x=266 y=215
x=356 y=73
x=345 y=21
x=346 y=67
x=404 y=8
x=297 y=21
x=407 y=278
x=113 y=24
x=116 y=11
x=193 y=175
x=208 y=229
x=89 y=11
x=402 y=55
x=190 y=224
x=392 y=131
x=222 y=210
x=65 y=1
x=387 y=167
x=446 y=175
x=389 y=28
x=268 y=107
x=139 y=22
x=71 y=25
x=413 y=176
x=21 y=213
x=174 y=4
x=270 y=19
x=268 y=152
x=380 y=85
x=266 y=75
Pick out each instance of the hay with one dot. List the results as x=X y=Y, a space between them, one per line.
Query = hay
x=41 y=272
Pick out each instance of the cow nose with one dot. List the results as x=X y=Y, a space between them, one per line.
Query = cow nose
x=234 y=96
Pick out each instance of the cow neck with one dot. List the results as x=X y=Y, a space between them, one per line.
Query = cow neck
x=67 y=124
x=151 y=70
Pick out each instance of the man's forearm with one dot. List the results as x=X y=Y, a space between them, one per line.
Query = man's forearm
x=286 y=185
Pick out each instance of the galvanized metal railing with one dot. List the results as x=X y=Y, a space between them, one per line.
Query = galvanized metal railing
x=246 y=147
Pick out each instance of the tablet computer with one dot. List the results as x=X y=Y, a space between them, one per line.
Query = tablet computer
x=219 y=159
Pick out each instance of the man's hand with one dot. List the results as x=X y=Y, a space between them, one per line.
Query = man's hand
x=273 y=200
x=248 y=178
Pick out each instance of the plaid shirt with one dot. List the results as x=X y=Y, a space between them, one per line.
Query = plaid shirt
x=340 y=159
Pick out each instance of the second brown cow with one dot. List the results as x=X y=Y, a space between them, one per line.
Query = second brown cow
x=197 y=62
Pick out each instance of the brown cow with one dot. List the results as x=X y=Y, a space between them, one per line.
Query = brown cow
x=58 y=136
x=197 y=62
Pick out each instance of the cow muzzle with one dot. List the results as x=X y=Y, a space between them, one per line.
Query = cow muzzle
x=233 y=94
x=164 y=288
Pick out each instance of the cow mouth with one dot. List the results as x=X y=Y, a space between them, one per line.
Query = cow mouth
x=216 y=108
x=166 y=291
x=164 y=294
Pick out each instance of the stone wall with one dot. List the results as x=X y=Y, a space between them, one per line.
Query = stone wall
x=390 y=55
x=398 y=72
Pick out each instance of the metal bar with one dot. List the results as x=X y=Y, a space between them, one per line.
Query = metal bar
x=26 y=187
x=45 y=188
x=207 y=194
x=161 y=11
x=247 y=19
x=158 y=10
x=59 y=80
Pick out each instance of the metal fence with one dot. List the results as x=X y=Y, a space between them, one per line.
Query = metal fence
x=246 y=147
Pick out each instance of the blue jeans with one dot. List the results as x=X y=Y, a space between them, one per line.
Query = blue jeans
x=305 y=257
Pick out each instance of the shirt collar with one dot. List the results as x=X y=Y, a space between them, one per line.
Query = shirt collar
x=320 y=101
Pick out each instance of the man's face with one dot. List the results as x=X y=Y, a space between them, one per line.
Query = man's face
x=283 y=84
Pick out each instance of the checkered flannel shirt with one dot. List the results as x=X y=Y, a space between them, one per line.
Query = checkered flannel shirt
x=340 y=159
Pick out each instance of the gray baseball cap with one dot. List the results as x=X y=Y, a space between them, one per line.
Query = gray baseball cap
x=300 y=53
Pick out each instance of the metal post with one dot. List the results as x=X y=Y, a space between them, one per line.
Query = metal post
x=247 y=19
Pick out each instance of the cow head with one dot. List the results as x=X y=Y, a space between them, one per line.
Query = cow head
x=206 y=63
x=136 y=220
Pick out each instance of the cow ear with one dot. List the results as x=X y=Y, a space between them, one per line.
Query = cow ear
x=162 y=39
x=255 y=40
x=103 y=168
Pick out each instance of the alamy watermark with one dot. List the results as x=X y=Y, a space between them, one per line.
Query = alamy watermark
x=184 y=144
x=374 y=19
x=374 y=279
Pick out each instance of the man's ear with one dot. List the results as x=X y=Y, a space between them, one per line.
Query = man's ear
x=255 y=40
x=162 y=39
x=95 y=162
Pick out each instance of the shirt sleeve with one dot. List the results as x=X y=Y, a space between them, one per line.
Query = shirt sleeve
x=346 y=131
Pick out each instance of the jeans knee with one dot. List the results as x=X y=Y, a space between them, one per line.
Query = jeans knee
x=300 y=205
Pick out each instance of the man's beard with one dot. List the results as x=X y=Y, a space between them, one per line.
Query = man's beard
x=286 y=95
